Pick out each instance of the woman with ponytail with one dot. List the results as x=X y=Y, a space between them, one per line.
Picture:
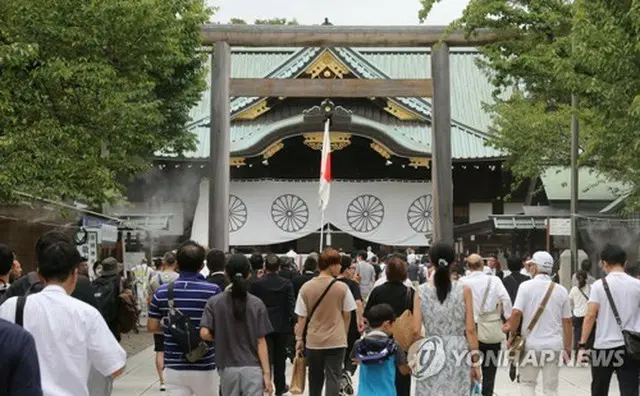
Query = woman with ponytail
x=447 y=312
x=238 y=322
x=578 y=301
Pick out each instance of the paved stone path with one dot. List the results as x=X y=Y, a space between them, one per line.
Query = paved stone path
x=140 y=379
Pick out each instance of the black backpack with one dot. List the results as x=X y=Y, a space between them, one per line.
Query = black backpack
x=184 y=332
x=106 y=291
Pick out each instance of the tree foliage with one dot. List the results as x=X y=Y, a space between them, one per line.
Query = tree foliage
x=549 y=49
x=89 y=91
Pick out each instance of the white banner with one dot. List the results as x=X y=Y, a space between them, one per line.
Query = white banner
x=268 y=212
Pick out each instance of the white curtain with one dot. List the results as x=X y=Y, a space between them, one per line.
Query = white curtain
x=267 y=212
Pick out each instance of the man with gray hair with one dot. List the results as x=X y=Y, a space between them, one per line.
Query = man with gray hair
x=166 y=275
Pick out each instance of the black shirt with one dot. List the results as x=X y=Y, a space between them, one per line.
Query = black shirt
x=28 y=284
x=512 y=284
x=276 y=293
x=394 y=294
x=300 y=280
x=84 y=291
x=287 y=273
x=4 y=286
x=219 y=279
x=355 y=290
x=19 y=369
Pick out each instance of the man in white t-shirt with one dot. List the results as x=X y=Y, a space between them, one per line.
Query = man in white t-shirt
x=496 y=294
x=551 y=335
x=71 y=336
x=609 y=354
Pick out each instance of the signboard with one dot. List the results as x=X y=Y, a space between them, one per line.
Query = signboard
x=560 y=227
x=89 y=249
x=109 y=233
x=131 y=259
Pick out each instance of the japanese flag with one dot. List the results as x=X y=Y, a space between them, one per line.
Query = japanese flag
x=325 y=168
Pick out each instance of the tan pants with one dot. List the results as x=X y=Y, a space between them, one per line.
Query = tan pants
x=191 y=383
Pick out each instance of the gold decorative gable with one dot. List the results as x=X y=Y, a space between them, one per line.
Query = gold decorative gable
x=419 y=162
x=254 y=111
x=237 y=162
x=339 y=140
x=271 y=150
x=400 y=112
x=327 y=66
x=380 y=149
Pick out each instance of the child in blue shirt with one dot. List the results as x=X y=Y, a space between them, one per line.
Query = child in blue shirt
x=378 y=354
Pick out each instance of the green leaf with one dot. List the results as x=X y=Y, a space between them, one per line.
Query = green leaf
x=77 y=77
x=549 y=49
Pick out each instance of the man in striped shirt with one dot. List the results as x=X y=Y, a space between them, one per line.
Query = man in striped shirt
x=191 y=293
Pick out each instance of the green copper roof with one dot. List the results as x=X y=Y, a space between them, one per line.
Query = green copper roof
x=593 y=186
x=413 y=136
x=470 y=88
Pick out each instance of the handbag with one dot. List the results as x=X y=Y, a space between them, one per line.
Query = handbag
x=403 y=326
x=631 y=338
x=490 y=323
x=298 y=375
x=518 y=344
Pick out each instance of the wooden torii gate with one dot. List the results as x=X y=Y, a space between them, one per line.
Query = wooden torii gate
x=438 y=88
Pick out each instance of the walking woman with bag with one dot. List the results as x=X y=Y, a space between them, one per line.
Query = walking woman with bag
x=447 y=311
x=578 y=301
x=406 y=306
x=324 y=309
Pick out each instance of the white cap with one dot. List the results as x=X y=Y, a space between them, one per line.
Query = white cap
x=543 y=261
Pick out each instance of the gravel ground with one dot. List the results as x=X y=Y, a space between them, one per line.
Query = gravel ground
x=134 y=343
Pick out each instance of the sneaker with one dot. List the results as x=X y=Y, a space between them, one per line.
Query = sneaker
x=162 y=388
x=346 y=384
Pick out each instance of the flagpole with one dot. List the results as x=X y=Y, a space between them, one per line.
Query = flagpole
x=325 y=141
x=321 y=229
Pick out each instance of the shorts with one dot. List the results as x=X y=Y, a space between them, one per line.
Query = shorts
x=158 y=340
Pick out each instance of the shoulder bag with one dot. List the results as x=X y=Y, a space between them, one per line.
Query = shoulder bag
x=490 y=322
x=184 y=332
x=518 y=344
x=313 y=310
x=299 y=374
x=403 y=326
x=631 y=338
x=583 y=294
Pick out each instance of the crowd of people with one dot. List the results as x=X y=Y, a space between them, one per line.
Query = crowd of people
x=231 y=332
x=54 y=340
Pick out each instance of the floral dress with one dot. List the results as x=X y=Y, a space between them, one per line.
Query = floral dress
x=448 y=373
